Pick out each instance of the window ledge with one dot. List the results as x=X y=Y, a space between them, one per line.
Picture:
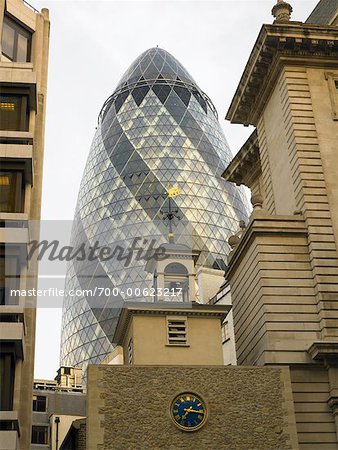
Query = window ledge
x=10 y=433
x=177 y=345
x=13 y=216
x=16 y=134
x=18 y=73
x=16 y=65
x=10 y=150
x=14 y=333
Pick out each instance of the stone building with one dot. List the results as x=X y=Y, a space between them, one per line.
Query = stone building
x=283 y=269
x=166 y=385
x=23 y=87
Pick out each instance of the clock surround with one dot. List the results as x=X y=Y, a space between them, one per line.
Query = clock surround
x=188 y=411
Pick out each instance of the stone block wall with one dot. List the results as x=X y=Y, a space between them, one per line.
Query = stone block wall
x=248 y=408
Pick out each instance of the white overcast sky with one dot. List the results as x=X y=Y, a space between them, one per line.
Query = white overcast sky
x=92 y=44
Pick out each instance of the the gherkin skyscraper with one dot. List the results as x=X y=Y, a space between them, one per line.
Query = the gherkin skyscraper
x=157 y=128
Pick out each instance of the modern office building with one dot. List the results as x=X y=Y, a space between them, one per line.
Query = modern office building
x=23 y=87
x=157 y=129
x=56 y=405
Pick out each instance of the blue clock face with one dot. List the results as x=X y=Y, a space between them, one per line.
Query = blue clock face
x=188 y=412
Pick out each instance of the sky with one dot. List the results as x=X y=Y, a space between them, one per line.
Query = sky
x=92 y=44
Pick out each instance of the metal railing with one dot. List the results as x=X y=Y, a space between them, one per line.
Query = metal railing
x=31 y=6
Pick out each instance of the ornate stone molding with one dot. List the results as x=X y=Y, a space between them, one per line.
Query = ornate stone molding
x=262 y=224
x=326 y=351
x=281 y=44
x=282 y=11
x=333 y=404
x=246 y=165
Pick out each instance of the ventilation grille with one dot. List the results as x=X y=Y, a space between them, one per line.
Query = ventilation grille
x=177 y=331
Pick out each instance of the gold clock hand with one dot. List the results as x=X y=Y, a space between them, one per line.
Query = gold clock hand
x=187 y=411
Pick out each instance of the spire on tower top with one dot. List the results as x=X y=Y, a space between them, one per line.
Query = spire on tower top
x=282 y=11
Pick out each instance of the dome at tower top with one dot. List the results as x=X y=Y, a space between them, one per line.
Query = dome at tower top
x=156 y=70
x=151 y=65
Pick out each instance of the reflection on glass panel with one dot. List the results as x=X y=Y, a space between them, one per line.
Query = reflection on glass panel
x=21 y=55
x=13 y=112
x=15 y=41
x=11 y=199
x=7 y=43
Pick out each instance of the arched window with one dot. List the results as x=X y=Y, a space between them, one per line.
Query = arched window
x=176 y=283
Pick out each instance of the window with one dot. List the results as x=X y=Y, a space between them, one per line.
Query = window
x=39 y=403
x=225 y=332
x=130 y=351
x=177 y=332
x=332 y=79
x=9 y=278
x=66 y=370
x=16 y=41
x=12 y=191
x=39 y=434
x=13 y=111
x=176 y=282
x=7 y=374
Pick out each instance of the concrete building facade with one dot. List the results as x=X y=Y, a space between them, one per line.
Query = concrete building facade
x=56 y=405
x=23 y=88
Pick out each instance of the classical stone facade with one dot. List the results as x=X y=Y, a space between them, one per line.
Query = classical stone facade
x=283 y=270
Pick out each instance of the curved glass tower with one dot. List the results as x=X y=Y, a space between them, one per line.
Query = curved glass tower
x=157 y=129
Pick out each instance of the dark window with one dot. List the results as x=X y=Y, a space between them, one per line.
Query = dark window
x=176 y=280
x=14 y=112
x=39 y=434
x=139 y=93
x=16 y=41
x=183 y=93
x=66 y=370
x=39 y=403
x=120 y=100
x=9 y=279
x=162 y=90
x=12 y=191
x=7 y=373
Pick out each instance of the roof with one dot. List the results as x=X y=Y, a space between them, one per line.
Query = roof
x=324 y=13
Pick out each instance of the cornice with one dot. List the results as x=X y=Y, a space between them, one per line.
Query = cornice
x=277 y=45
x=246 y=165
x=324 y=351
x=262 y=224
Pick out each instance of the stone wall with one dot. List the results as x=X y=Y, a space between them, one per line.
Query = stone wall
x=248 y=408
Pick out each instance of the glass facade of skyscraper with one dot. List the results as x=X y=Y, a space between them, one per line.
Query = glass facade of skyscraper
x=157 y=129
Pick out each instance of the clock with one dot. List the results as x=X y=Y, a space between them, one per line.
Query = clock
x=188 y=411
